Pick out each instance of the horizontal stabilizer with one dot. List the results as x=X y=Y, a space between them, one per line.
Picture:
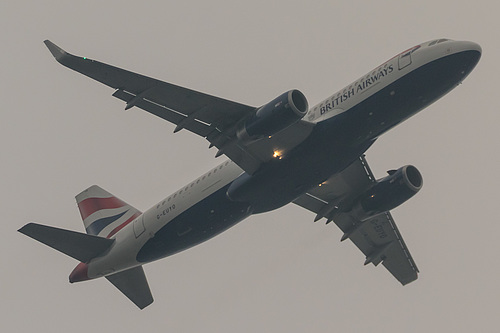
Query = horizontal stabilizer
x=77 y=245
x=133 y=284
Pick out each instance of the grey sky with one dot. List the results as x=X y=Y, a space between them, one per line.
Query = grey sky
x=278 y=272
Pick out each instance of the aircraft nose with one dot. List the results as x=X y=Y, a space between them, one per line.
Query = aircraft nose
x=80 y=273
x=472 y=51
x=471 y=46
x=468 y=47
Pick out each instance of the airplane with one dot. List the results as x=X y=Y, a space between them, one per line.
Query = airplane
x=279 y=153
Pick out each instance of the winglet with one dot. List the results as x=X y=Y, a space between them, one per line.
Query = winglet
x=56 y=51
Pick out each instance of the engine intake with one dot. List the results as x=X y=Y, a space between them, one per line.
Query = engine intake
x=388 y=193
x=275 y=116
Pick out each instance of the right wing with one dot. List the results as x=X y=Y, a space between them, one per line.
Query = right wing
x=378 y=237
x=211 y=117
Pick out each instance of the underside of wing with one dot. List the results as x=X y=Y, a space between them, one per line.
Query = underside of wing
x=377 y=236
x=211 y=117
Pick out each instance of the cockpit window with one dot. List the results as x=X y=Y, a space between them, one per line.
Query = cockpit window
x=437 y=41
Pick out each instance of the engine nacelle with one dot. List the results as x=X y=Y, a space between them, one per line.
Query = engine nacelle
x=388 y=193
x=275 y=116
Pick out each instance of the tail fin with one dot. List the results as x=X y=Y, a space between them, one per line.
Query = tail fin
x=80 y=246
x=104 y=214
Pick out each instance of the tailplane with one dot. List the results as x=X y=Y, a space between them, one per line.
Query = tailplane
x=133 y=284
x=80 y=246
x=103 y=216
x=102 y=213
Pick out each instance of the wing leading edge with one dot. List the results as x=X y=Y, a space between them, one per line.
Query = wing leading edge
x=378 y=237
x=211 y=117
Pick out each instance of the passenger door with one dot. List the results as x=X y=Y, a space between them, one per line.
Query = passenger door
x=139 y=227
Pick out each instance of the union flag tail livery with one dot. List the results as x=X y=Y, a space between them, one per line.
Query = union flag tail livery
x=281 y=152
x=102 y=213
x=101 y=252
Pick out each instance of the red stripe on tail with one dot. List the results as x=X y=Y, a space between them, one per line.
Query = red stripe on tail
x=91 y=205
x=121 y=226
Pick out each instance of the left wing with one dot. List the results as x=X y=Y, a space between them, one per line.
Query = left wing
x=378 y=237
x=211 y=117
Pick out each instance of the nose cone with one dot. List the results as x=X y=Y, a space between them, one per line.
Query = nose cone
x=471 y=48
x=461 y=58
x=80 y=273
x=472 y=52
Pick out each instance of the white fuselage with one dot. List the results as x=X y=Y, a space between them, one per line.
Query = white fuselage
x=133 y=237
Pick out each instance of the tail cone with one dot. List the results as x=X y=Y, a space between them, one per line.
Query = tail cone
x=80 y=273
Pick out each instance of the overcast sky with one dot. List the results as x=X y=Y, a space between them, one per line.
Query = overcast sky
x=277 y=272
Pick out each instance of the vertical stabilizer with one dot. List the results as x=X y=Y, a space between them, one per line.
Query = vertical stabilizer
x=104 y=214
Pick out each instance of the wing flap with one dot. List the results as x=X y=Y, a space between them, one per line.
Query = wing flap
x=173 y=116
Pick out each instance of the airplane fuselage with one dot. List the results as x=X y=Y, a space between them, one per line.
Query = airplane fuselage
x=346 y=125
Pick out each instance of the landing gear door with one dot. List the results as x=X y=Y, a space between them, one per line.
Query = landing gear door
x=405 y=59
x=139 y=226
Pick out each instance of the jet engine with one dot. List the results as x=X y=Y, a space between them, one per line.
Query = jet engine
x=388 y=193
x=275 y=116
